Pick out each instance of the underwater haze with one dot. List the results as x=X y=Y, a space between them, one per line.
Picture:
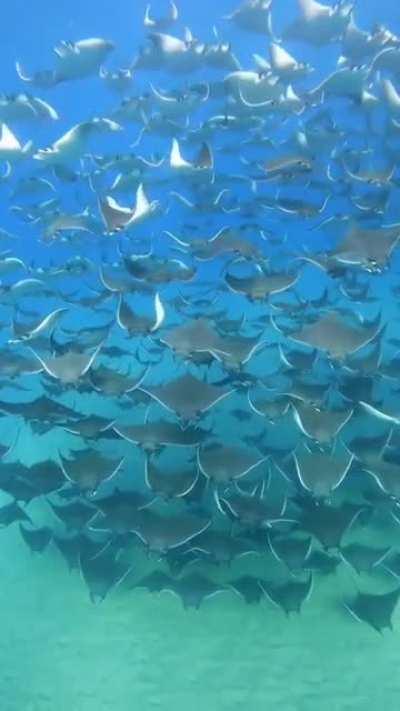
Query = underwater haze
x=200 y=355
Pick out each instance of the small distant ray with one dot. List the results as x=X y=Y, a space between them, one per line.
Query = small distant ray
x=375 y=609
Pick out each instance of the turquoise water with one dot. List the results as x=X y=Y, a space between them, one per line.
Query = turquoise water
x=199 y=495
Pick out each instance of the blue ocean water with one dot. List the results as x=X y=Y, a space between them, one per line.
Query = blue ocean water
x=182 y=523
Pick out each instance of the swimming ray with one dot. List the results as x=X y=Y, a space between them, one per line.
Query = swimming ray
x=203 y=163
x=119 y=513
x=163 y=533
x=119 y=81
x=225 y=241
x=77 y=546
x=293 y=552
x=331 y=333
x=9 y=513
x=42 y=408
x=224 y=463
x=88 y=469
x=322 y=472
x=157 y=270
x=193 y=589
x=196 y=335
x=375 y=609
x=328 y=524
x=392 y=564
x=140 y=325
x=16 y=486
x=253 y=16
x=117 y=217
x=89 y=427
x=248 y=588
x=321 y=425
x=26 y=332
x=236 y=350
x=45 y=477
x=363 y=558
x=220 y=547
x=251 y=509
x=115 y=383
x=319 y=24
x=75 y=516
x=369 y=249
x=37 y=539
x=384 y=471
x=68 y=368
x=103 y=573
x=272 y=406
x=153 y=435
x=157 y=581
x=321 y=562
x=286 y=66
x=261 y=285
x=187 y=397
x=171 y=484
x=290 y=596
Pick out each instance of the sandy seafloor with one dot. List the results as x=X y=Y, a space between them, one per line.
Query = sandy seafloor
x=59 y=652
